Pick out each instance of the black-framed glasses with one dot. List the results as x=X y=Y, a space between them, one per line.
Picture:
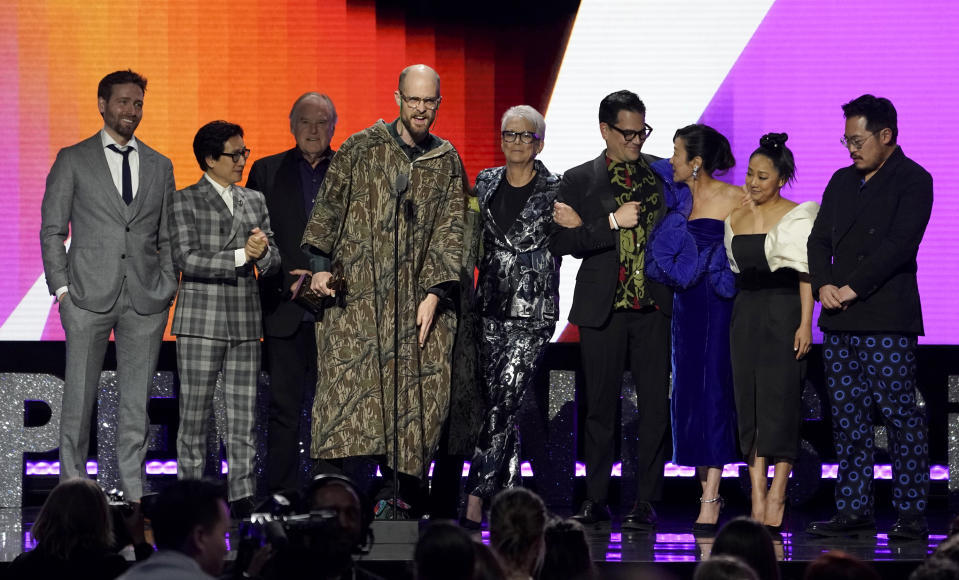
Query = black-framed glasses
x=430 y=103
x=526 y=137
x=630 y=135
x=236 y=155
x=855 y=143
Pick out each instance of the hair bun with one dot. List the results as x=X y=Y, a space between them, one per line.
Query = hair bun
x=773 y=141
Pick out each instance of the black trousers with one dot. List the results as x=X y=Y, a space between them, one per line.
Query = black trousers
x=642 y=338
x=291 y=363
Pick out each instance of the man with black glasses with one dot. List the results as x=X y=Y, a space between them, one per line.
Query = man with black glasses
x=220 y=235
x=391 y=213
x=610 y=205
x=862 y=264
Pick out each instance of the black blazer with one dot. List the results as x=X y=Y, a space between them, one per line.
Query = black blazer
x=869 y=240
x=587 y=189
x=278 y=178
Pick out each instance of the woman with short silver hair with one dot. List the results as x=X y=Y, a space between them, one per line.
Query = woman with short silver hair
x=517 y=296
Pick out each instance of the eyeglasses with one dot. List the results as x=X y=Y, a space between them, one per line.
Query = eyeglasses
x=855 y=142
x=630 y=135
x=244 y=153
x=526 y=136
x=430 y=103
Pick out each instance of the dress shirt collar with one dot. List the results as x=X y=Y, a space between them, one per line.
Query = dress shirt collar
x=326 y=156
x=107 y=140
x=219 y=188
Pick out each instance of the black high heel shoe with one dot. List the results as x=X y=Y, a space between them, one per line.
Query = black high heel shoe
x=699 y=528
x=777 y=530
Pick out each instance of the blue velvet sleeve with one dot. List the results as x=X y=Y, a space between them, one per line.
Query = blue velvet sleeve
x=671 y=256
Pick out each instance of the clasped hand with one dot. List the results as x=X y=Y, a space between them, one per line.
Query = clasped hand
x=256 y=245
x=833 y=298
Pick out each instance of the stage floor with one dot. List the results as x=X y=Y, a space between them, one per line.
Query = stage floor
x=669 y=553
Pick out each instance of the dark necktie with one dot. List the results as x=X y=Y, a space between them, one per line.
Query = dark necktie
x=127 y=177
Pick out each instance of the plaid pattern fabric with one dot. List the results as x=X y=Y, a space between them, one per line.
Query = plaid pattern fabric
x=216 y=299
x=217 y=322
x=199 y=360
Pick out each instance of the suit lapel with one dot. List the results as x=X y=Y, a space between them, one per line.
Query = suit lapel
x=601 y=188
x=217 y=207
x=288 y=185
x=240 y=204
x=146 y=177
x=847 y=211
x=494 y=184
x=97 y=161
x=533 y=209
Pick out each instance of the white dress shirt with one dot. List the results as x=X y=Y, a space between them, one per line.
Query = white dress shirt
x=115 y=162
x=226 y=194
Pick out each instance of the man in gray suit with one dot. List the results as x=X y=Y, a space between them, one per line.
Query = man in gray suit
x=219 y=232
x=109 y=194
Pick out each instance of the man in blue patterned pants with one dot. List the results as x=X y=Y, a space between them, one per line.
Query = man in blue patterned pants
x=862 y=263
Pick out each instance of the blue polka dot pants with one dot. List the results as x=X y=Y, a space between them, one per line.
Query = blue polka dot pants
x=866 y=371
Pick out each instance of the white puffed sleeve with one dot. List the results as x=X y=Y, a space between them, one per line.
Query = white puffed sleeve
x=728 y=242
x=786 y=241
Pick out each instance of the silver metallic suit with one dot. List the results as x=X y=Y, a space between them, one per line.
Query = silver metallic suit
x=518 y=295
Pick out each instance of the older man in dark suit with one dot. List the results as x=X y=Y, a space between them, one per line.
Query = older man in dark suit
x=219 y=233
x=290 y=181
x=862 y=264
x=109 y=193
x=614 y=201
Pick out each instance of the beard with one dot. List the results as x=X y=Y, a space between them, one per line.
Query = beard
x=415 y=133
x=120 y=128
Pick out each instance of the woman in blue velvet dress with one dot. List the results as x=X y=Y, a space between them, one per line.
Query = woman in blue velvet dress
x=686 y=252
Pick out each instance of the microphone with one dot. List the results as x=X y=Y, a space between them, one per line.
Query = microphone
x=401 y=183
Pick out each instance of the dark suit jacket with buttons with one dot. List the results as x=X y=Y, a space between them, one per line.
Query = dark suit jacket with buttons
x=217 y=299
x=587 y=189
x=278 y=177
x=869 y=240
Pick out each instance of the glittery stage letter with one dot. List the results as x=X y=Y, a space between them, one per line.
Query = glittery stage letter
x=953 y=439
x=15 y=439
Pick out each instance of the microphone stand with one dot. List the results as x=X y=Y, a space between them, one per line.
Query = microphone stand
x=393 y=530
x=399 y=186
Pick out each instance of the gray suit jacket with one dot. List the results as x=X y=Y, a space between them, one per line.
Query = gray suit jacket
x=216 y=298
x=110 y=240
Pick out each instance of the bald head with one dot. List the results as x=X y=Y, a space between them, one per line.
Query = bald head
x=418 y=97
x=419 y=72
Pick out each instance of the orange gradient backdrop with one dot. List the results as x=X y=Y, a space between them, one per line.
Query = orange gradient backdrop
x=240 y=60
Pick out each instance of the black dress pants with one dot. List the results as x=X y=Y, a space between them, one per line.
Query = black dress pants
x=642 y=338
x=292 y=368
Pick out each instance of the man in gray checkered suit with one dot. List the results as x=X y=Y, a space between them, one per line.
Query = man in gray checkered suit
x=220 y=233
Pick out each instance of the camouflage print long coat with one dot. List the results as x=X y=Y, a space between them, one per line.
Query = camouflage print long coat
x=353 y=222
